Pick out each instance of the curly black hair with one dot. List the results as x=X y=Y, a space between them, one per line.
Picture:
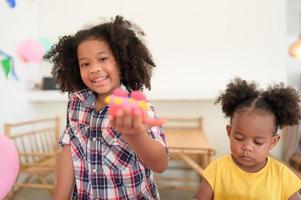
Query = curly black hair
x=278 y=100
x=125 y=39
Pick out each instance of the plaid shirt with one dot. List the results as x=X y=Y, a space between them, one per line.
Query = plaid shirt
x=105 y=166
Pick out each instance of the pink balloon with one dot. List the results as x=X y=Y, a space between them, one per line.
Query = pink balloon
x=9 y=165
x=31 y=51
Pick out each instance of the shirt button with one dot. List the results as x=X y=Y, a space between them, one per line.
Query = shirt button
x=94 y=170
x=94 y=139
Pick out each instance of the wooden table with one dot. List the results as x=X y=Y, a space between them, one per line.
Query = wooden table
x=190 y=145
x=186 y=141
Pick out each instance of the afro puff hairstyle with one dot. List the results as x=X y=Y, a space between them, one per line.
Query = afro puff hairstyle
x=278 y=100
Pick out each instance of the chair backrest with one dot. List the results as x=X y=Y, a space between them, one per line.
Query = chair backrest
x=35 y=139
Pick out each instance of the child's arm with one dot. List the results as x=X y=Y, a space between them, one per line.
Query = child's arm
x=204 y=191
x=294 y=196
x=152 y=153
x=65 y=175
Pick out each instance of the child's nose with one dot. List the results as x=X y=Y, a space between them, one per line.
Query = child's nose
x=95 y=68
x=247 y=146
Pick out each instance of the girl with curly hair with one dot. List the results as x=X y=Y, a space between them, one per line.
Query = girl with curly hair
x=106 y=157
x=248 y=172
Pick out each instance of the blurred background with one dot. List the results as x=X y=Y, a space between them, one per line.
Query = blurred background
x=198 y=46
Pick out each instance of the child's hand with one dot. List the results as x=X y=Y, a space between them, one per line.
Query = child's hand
x=128 y=114
x=129 y=122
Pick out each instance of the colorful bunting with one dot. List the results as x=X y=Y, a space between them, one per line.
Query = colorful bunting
x=11 y=3
x=13 y=71
x=8 y=65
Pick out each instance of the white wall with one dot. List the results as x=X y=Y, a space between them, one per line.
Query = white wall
x=198 y=47
x=191 y=41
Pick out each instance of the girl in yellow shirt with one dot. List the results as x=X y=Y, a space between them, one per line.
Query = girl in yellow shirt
x=248 y=173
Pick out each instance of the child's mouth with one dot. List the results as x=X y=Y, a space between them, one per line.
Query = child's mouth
x=100 y=79
x=246 y=158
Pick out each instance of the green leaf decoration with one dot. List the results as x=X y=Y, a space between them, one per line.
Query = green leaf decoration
x=6 y=65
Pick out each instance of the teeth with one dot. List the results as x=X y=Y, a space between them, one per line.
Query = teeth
x=100 y=79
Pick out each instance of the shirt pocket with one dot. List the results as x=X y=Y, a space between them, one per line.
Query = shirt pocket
x=79 y=139
x=117 y=154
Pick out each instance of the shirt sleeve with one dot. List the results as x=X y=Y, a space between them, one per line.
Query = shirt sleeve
x=292 y=182
x=65 y=138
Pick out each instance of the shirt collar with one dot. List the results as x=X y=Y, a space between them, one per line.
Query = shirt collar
x=86 y=96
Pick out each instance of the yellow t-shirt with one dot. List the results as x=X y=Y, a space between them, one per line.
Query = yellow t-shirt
x=274 y=182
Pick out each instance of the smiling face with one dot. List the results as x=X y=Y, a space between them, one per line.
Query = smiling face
x=98 y=68
x=251 y=139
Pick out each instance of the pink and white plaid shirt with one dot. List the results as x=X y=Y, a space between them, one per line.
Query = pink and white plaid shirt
x=104 y=164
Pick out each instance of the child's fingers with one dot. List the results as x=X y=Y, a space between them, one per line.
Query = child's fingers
x=137 y=120
x=155 y=122
x=118 y=119
x=127 y=119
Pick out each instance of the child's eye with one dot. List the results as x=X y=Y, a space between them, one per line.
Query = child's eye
x=258 y=143
x=238 y=139
x=102 y=59
x=84 y=65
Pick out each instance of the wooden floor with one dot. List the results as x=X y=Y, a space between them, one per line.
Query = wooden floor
x=166 y=194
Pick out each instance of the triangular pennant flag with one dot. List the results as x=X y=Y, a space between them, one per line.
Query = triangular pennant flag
x=11 y=3
x=6 y=65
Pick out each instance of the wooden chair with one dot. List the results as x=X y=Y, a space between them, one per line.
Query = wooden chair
x=36 y=142
x=189 y=151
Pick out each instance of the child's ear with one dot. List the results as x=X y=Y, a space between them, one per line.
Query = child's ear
x=275 y=140
x=228 y=127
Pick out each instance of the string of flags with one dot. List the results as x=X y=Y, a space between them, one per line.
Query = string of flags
x=30 y=51
x=8 y=65
x=11 y=3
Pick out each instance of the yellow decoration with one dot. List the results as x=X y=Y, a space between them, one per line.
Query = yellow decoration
x=117 y=100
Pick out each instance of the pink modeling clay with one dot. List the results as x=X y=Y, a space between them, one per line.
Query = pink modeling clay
x=120 y=99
